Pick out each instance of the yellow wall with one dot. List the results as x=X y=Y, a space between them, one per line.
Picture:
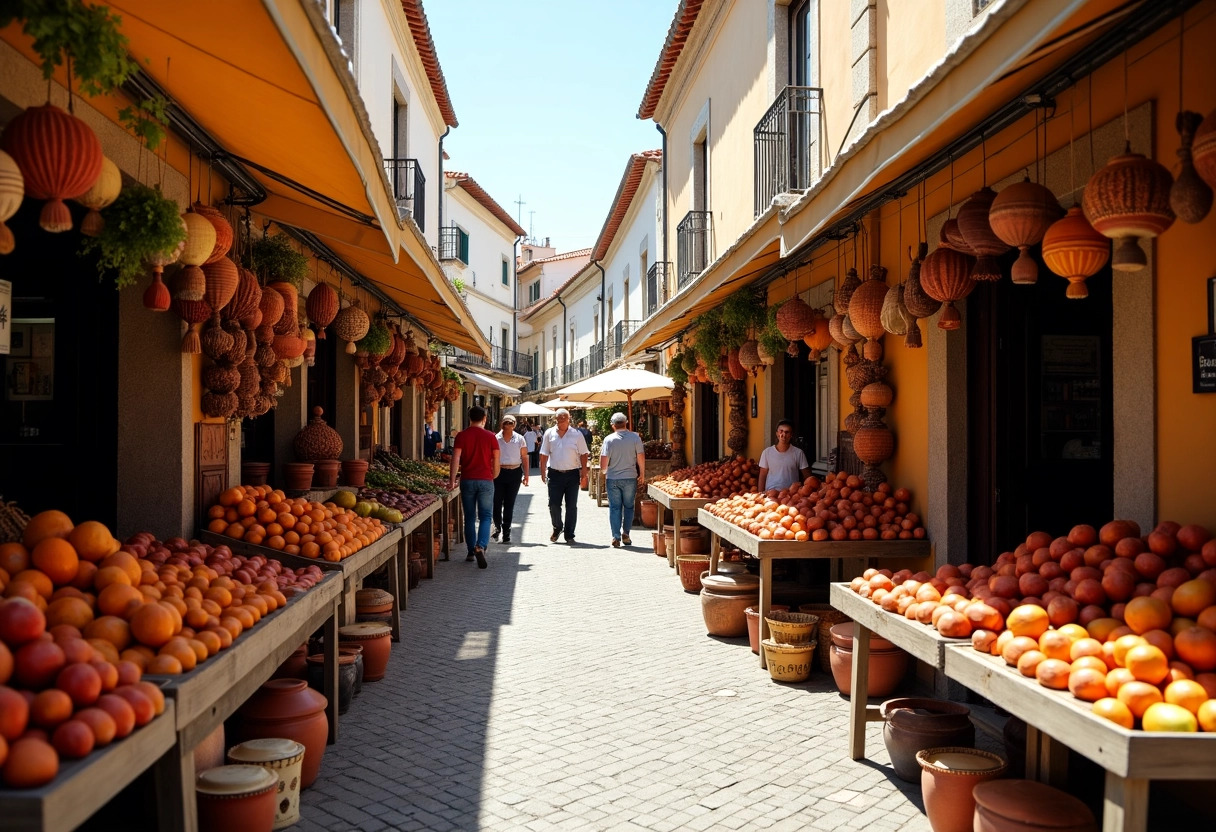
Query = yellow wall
x=836 y=72
x=911 y=38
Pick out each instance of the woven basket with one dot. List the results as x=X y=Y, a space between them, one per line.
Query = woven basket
x=845 y=293
x=795 y=318
x=829 y=617
x=322 y=307
x=865 y=305
x=791 y=627
x=789 y=662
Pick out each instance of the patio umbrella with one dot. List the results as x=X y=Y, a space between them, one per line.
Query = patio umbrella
x=529 y=409
x=560 y=402
x=630 y=382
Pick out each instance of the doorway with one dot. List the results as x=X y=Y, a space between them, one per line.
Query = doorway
x=801 y=405
x=707 y=409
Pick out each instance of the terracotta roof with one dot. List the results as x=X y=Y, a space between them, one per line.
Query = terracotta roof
x=425 y=44
x=677 y=35
x=567 y=255
x=469 y=184
x=624 y=196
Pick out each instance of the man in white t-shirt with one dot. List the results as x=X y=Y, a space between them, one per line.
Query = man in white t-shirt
x=783 y=464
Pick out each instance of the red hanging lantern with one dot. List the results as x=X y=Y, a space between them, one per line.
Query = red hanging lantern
x=945 y=276
x=1127 y=199
x=322 y=307
x=156 y=296
x=246 y=301
x=222 y=279
x=288 y=324
x=979 y=236
x=795 y=318
x=59 y=156
x=1075 y=251
x=194 y=313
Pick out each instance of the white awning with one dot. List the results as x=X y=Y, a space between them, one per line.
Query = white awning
x=489 y=384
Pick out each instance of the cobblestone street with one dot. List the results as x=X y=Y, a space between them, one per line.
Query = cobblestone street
x=574 y=687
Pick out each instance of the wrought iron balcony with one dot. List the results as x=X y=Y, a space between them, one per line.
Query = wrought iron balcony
x=576 y=370
x=692 y=245
x=618 y=335
x=409 y=189
x=657 y=289
x=502 y=360
x=597 y=357
x=788 y=145
x=453 y=244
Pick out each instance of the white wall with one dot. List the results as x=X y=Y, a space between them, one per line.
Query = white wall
x=639 y=232
x=490 y=244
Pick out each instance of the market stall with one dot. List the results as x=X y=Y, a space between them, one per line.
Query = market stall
x=453 y=521
x=681 y=509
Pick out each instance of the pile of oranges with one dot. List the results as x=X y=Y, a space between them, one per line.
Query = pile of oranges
x=83 y=618
x=711 y=480
x=259 y=515
x=1124 y=622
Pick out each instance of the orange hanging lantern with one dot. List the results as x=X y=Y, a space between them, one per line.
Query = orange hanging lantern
x=200 y=239
x=819 y=338
x=271 y=306
x=288 y=324
x=322 y=307
x=1126 y=200
x=222 y=278
x=1203 y=149
x=979 y=236
x=103 y=193
x=865 y=307
x=795 y=318
x=945 y=276
x=244 y=306
x=1019 y=216
x=1075 y=251
x=59 y=156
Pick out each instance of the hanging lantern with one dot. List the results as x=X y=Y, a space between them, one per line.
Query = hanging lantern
x=841 y=299
x=222 y=278
x=979 y=236
x=951 y=234
x=1126 y=200
x=271 y=306
x=156 y=296
x=12 y=192
x=1203 y=150
x=917 y=301
x=946 y=276
x=310 y=347
x=246 y=301
x=193 y=313
x=223 y=231
x=351 y=324
x=59 y=156
x=894 y=314
x=1075 y=251
x=103 y=193
x=1019 y=216
x=200 y=240
x=819 y=338
x=288 y=346
x=734 y=366
x=795 y=318
x=1190 y=196
x=865 y=306
x=322 y=307
x=288 y=324
x=749 y=356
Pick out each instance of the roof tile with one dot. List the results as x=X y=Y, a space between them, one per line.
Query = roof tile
x=625 y=193
x=425 y=44
x=677 y=35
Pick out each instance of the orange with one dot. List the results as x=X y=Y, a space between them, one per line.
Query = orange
x=200 y=650
x=1147 y=663
x=1114 y=710
x=164 y=664
x=109 y=628
x=1162 y=716
x=1101 y=628
x=246 y=508
x=1207 y=716
x=119 y=599
x=14 y=558
x=1055 y=645
x=139 y=655
x=1088 y=684
x=57 y=559
x=210 y=640
x=31 y=762
x=153 y=624
x=1137 y=696
x=1123 y=644
x=1197 y=647
x=93 y=541
x=231 y=496
x=105 y=650
x=1052 y=673
x=1162 y=640
x=72 y=611
x=1146 y=613
x=180 y=649
x=1193 y=597
x=1207 y=618
x=1186 y=692
x=36 y=578
x=1092 y=662
x=46 y=524
x=51 y=707
x=222 y=633
x=107 y=575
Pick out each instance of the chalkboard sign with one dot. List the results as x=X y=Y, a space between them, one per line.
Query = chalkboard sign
x=1203 y=364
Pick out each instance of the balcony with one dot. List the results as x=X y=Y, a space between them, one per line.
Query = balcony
x=409 y=189
x=502 y=360
x=453 y=244
x=692 y=245
x=657 y=289
x=788 y=145
x=618 y=335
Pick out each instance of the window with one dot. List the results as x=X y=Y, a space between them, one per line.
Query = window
x=625 y=299
x=533 y=292
x=506 y=272
x=346 y=23
x=462 y=246
x=506 y=336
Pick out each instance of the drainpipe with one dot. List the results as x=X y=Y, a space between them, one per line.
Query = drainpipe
x=663 y=228
x=440 y=206
x=564 y=351
x=603 y=333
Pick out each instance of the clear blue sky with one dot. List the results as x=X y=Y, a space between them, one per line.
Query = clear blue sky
x=547 y=93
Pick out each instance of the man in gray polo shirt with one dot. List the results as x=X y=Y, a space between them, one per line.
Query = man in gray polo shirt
x=623 y=461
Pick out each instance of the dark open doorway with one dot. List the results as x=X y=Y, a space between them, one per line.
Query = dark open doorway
x=708 y=418
x=801 y=387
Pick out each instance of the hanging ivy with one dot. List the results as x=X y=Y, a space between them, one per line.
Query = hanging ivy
x=273 y=257
x=140 y=224
x=769 y=336
x=709 y=337
x=377 y=341
x=675 y=368
x=741 y=313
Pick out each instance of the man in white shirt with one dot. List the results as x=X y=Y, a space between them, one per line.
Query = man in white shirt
x=531 y=438
x=783 y=464
x=513 y=468
x=563 y=466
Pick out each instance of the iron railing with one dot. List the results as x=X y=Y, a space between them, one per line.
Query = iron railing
x=692 y=245
x=788 y=146
x=656 y=286
x=453 y=244
x=502 y=360
x=617 y=337
x=577 y=369
x=409 y=189
x=597 y=357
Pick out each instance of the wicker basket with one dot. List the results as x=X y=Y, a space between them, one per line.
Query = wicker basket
x=788 y=662
x=791 y=627
x=829 y=616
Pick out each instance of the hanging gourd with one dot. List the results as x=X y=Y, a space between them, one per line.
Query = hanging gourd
x=1126 y=200
x=156 y=296
x=103 y=193
x=351 y=324
x=223 y=231
x=1190 y=196
x=322 y=307
x=271 y=307
x=979 y=236
x=1203 y=150
x=222 y=278
x=841 y=299
x=865 y=310
x=1019 y=216
x=1075 y=251
x=200 y=242
x=819 y=338
x=734 y=366
x=288 y=346
x=749 y=356
x=894 y=314
x=59 y=156
x=795 y=318
x=916 y=300
x=836 y=329
x=193 y=313
x=288 y=323
x=12 y=192
x=946 y=276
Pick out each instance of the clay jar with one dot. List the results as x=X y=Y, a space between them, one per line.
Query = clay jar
x=887 y=662
x=650 y=513
x=297 y=476
x=691 y=567
x=255 y=473
x=348 y=675
x=694 y=540
x=236 y=799
x=351 y=649
x=911 y=725
x=376 y=641
x=947 y=777
x=752 y=614
x=354 y=472
x=282 y=758
x=294 y=666
x=288 y=708
x=1027 y=806
x=724 y=597
x=325 y=473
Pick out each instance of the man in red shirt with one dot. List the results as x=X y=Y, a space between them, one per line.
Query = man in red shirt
x=475 y=458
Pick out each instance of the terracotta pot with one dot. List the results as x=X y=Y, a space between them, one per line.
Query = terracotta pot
x=724 y=597
x=911 y=725
x=354 y=472
x=792 y=627
x=288 y=708
x=947 y=777
x=660 y=544
x=325 y=473
x=254 y=473
x=887 y=662
x=282 y=758
x=376 y=641
x=350 y=648
x=209 y=753
x=691 y=567
x=294 y=666
x=348 y=674
x=1028 y=806
x=694 y=540
x=297 y=476
x=236 y=799
x=650 y=513
x=752 y=614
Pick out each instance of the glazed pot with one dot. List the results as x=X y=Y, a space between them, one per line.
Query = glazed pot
x=724 y=597
x=294 y=666
x=752 y=614
x=354 y=472
x=297 y=476
x=947 y=776
x=650 y=513
x=288 y=708
x=209 y=753
x=1028 y=806
x=376 y=641
x=691 y=567
x=887 y=662
x=788 y=662
x=348 y=673
x=351 y=648
x=911 y=725
x=236 y=799
x=282 y=758
x=254 y=473
x=325 y=473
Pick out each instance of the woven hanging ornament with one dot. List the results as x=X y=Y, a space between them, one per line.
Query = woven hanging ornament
x=749 y=356
x=795 y=318
x=222 y=279
x=865 y=306
x=952 y=235
x=200 y=239
x=819 y=338
x=223 y=231
x=1019 y=216
x=1126 y=200
x=841 y=299
x=1190 y=196
x=192 y=312
x=288 y=324
x=979 y=236
x=103 y=193
x=919 y=304
x=288 y=346
x=156 y=296
x=1075 y=251
x=894 y=314
x=351 y=324
x=271 y=306
x=395 y=355
x=245 y=303
x=735 y=367
x=946 y=276
x=12 y=192
x=322 y=307
x=59 y=156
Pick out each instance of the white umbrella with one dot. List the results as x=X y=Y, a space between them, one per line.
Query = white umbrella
x=529 y=409
x=560 y=402
x=630 y=382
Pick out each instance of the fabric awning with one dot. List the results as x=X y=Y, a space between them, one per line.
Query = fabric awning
x=489 y=383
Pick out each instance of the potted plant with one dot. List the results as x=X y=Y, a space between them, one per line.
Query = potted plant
x=273 y=257
x=141 y=225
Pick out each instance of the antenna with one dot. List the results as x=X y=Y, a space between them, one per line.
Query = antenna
x=520 y=209
x=530 y=215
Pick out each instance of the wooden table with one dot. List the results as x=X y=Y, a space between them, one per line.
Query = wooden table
x=407 y=526
x=389 y=549
x=769 y=550
x=452 y=517
x=212 y=692
x=1060 y=721
x=924 y=643
x=84 y=786
x=680 y=508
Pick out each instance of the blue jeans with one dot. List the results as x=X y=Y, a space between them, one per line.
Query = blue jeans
x=479 y=495
x=621 y=494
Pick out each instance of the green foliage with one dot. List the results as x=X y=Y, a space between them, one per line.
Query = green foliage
x=770 y=337
x=451 y=375
x=275 y=257
x=88 y=36
x=741 y=313
x=709 y=337
x=459 y=284
x=600 y=418
x=139 y=225
x=377 y=341
x=675 y=369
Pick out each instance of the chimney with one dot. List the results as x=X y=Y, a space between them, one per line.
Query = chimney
x=546 y=242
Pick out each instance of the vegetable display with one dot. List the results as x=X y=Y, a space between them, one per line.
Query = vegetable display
x=711 y=480
x=389 y=472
